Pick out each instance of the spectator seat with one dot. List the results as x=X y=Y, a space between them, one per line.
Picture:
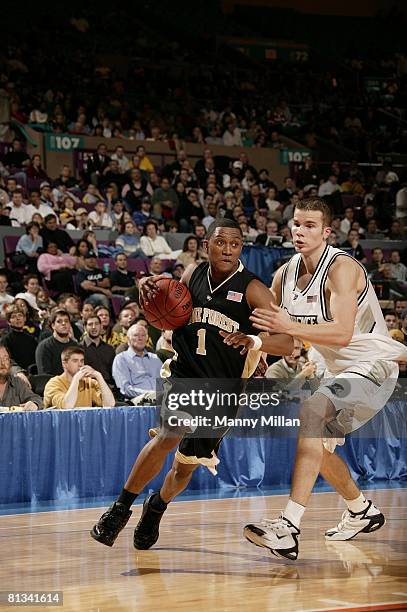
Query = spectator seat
x=9 y=244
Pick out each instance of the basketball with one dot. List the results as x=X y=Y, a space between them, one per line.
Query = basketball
x=171 y=307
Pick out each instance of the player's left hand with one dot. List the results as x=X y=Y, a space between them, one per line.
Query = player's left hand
x=237 y=339
x=275 y=320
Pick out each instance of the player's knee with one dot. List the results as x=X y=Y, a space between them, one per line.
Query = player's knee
x=166 y=440
x=181 y=471
x=313 y=417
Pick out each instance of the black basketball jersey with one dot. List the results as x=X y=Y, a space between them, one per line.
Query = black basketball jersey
x=200 y=349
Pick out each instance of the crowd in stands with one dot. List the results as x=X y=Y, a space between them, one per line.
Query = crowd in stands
x=73 y=327
x=163 y=89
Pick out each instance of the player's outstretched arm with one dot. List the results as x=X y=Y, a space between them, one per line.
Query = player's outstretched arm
x=258 y=296
x=342 y=285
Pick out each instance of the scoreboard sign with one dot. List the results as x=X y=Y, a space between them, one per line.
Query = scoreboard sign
x=288 y=156
x=64 y=143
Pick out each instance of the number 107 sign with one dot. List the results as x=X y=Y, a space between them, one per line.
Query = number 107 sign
x=63 y=142
x=293 y=155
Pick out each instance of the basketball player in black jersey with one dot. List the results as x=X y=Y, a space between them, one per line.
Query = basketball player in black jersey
x=224 y=293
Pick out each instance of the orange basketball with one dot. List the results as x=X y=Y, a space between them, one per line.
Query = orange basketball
x=171 y=307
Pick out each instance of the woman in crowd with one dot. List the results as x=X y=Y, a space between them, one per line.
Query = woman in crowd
x=38 y=218
x=67 y=211
x=57 y=269
x=32 y=322
x=107 y=335
x=81 y=250
x=129 y=240
x=154 y=245
x=86 y=312
x=191 y=253
x=115 y=336
x=90 y=236
x=127 y=316
x=35 y=169
x=30 y=245
x=127 y=217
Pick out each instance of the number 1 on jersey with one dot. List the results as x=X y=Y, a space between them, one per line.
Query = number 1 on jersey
x=201 y=350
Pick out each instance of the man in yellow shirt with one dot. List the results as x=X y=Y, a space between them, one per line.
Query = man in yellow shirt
x=145 y=163
x=79 y=386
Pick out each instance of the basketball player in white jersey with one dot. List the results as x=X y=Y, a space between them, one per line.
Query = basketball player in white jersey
x=326 y=300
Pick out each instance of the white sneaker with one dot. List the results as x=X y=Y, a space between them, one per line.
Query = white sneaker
x=280 y=536
x=353 y=523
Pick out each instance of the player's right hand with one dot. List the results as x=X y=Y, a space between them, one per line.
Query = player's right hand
x=148 y=288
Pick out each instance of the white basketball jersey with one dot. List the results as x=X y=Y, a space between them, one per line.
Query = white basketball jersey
x=371 y=348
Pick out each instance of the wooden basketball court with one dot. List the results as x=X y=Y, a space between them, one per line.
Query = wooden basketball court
x=202 y=561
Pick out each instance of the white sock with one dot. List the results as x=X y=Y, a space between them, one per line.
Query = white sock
x=293 y=512
x=358 y=504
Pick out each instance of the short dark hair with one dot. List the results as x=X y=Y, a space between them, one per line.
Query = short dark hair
x=29 y=277
x=393 y=313
x=71 y=350
x=229 y=223
x=93 y=316
x=149 y=222
x=120 y=253
x=49 y=218
x=58 y=312
x=316 y=204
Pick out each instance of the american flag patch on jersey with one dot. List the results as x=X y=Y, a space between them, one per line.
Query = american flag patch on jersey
x=234 y=296
x=312 y=298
